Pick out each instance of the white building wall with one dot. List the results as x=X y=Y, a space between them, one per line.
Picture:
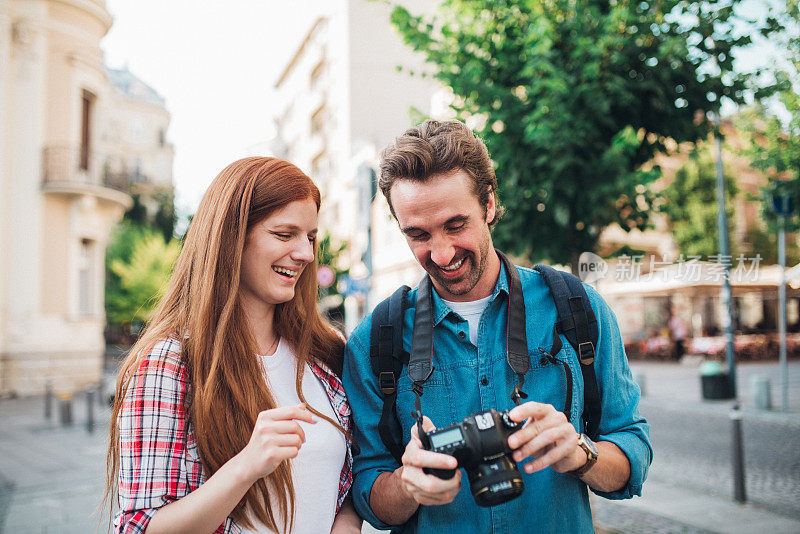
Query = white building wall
x=366 y=103
x=5 y=167
x=380 y=96
x=24 y=218
x=49 y=54
x=129 y=134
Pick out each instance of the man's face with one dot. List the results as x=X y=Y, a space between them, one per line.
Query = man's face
x=447 y=230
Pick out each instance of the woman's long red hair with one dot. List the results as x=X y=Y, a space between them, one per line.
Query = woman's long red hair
x=201 y=306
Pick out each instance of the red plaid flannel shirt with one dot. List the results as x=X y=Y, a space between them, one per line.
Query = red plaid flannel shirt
x=159 y=463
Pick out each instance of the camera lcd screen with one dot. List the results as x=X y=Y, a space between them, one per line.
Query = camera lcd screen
x=446 y=438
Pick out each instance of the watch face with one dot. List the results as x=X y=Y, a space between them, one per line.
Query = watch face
x=590 y=445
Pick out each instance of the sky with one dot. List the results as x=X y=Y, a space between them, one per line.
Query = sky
x=216 y=64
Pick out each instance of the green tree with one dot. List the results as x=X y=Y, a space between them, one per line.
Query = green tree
x=773 y=130
x=139 y=265
x=137 y=214
x=764 y=242
x=691 y=205
x=576 y=96
x=329 y=254
x=165 y=217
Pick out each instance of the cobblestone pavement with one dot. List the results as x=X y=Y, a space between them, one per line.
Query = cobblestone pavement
x=681 y=382
x=692 y=439
x=57 y=472
x=612 y=519
x=695 y=450
x=51 y=478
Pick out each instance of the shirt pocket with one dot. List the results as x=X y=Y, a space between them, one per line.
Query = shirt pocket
x=436 y=401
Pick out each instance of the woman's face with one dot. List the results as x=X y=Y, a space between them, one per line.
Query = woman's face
x=276 y=251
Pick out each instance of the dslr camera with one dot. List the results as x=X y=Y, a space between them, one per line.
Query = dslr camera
x=480 y=444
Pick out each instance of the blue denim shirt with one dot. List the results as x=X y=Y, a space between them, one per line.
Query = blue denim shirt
x=551 y=502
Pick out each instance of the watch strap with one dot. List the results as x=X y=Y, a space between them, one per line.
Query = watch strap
x=591 y=457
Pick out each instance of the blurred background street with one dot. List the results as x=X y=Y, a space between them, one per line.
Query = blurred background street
x=650 y=148
x=52 y=477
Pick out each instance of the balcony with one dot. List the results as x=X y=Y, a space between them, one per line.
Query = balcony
x=72 y=171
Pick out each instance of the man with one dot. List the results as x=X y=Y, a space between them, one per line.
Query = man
x=679 y=331
x=440 y=186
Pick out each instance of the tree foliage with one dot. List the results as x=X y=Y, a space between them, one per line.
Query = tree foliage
x=573 y=98
x=692 y=205
x=164 y=217
x=329 y=255
x=139 y=264
x=773 y=130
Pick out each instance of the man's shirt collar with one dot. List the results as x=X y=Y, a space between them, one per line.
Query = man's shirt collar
x=440 y=309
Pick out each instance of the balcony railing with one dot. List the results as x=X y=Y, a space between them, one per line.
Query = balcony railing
x=65 y=166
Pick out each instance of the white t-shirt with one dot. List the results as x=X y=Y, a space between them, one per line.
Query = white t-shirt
x=316 y=470
x=471 y=312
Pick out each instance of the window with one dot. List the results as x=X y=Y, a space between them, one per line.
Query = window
x=137 y=131
x=317 y=74
x=137 y=176
x=87 y=103
x=318 y=165
x=318 y=119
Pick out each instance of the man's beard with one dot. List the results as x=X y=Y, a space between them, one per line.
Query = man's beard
x=472 y=276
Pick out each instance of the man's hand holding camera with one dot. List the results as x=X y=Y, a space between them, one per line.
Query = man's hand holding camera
x=423 y=488
x=548 y=437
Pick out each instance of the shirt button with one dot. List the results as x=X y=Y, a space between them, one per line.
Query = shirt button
x=484 y=381
x=462 y=335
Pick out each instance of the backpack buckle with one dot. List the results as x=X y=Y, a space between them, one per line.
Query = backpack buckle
x=586 y=353
x=387 y=383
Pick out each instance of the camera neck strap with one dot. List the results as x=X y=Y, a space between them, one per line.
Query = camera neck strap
x=420 y=363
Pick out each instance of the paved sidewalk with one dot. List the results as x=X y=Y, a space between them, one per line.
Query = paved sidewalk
x=680 y=383
x=51 y=478
x=57 y=472
x=666 y=508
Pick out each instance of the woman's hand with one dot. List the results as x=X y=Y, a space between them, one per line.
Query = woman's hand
x=277 y=436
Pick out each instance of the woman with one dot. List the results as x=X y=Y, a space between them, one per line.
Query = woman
x=230 y=416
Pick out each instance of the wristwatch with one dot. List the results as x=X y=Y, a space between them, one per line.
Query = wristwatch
x=590 y=449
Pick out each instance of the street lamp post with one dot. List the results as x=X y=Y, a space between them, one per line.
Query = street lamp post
x=722 y=226
x=783 y=207
x=782 y=312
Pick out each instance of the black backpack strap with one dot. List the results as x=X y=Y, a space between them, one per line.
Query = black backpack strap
x=387 y=358
x=578 y=323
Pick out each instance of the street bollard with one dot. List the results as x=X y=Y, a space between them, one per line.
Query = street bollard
x=100 y=390
x=48 y=400
x=737 y=455
x=65 y=409
x=760 y=392
x=90 y=409
x=641 y=379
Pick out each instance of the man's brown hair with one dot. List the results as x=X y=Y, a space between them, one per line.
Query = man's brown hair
x=439 y=147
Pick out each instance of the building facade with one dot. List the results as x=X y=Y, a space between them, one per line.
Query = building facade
x=342 y=99
x=133 y=137
x=60 y=192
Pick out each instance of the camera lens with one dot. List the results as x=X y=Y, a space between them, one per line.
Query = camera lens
x=495 y=482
